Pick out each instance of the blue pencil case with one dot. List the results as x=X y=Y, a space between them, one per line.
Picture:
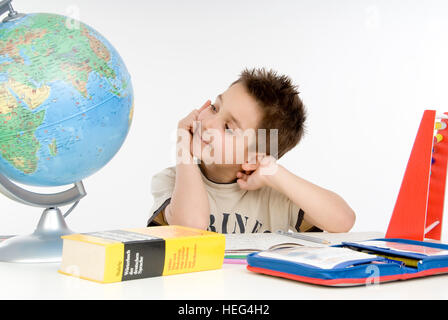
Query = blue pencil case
x=353 y=263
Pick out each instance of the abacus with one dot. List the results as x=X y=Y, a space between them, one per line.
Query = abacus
x=418 y=211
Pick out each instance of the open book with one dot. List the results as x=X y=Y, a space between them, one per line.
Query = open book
x=242 y=244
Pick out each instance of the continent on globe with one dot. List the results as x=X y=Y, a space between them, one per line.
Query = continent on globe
x=71 y=53
x=18 y=145
x=32 y=96
x=65 y=93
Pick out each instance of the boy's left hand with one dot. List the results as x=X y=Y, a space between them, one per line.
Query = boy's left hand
x=257 y=175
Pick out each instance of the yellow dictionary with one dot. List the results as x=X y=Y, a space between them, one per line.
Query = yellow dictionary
x=120 y=255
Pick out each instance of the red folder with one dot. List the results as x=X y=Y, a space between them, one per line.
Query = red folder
x=418 y=211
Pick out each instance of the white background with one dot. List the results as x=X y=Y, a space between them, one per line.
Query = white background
x=366 y=71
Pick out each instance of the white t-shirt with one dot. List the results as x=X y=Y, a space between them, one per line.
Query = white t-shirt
x=233 y=210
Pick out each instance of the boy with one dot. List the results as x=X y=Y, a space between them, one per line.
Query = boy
x=244 y=190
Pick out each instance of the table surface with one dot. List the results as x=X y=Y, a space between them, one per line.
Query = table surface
x=232 y=281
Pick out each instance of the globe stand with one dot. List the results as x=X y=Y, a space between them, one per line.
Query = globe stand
x=44 y=245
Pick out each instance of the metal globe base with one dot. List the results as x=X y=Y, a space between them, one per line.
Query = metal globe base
x=44 y=245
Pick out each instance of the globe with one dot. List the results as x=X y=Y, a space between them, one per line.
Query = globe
x=66 y=100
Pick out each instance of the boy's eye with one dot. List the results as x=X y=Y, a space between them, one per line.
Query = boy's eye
x=212 y=106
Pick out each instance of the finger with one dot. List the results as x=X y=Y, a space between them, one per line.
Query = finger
x=242 y=176
x=243 y=184
x=205 y=106
x=196 y=126
x=195 y=114
x=193 y=117
x=249 y=167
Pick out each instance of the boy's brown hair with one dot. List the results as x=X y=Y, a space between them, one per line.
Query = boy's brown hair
x=281 y=106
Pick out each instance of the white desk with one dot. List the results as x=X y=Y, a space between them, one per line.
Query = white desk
x=42 y=281
x=230 y=282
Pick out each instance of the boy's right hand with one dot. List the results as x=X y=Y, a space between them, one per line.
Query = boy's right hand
x=185 y=131
x=187 y=122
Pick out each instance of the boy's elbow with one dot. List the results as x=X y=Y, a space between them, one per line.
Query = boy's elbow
x=351 y=219
x=343 y=222
x=347 y=222
x=346 y=216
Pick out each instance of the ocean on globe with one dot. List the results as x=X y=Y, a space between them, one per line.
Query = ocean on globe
x=66 y=100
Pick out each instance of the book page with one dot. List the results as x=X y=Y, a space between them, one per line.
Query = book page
x=338 y=238
x=325 y=258
x=253 y=242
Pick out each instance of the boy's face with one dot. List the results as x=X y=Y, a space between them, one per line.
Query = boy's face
x=226 y=130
